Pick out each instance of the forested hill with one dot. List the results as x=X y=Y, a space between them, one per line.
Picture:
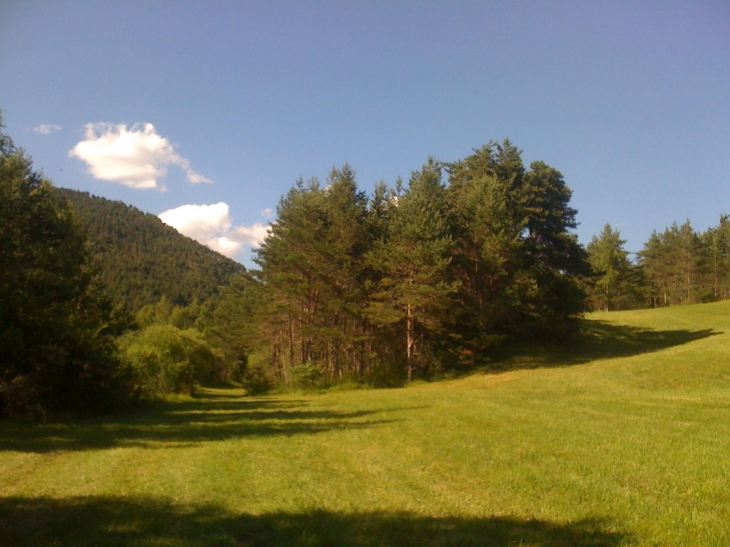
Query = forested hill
x=142 y=259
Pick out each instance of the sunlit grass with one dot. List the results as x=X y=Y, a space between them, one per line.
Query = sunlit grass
x=623 y=439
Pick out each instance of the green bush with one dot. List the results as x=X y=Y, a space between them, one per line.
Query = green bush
x=256 y=381
x=305 y=375
x=164 y=359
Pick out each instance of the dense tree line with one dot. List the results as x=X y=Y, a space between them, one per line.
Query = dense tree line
x=415 y=278
x=56 y=327
x=411 y=281
x=673 y=262
x=677 y=266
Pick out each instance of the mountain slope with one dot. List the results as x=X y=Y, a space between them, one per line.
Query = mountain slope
x=142 y=259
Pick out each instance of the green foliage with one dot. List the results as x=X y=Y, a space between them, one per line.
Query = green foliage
x=305 y=375
x=164 y=359
x=617 y=282
x=415 y=279
x=411 y=265
x=232 y=318
x=715 y=245
x=554 y=261
x=310 y=296
x=217 y=321
x=678 y=265
x=256 y=381
x=516 y=258
x=56 y=322
x=142 y=260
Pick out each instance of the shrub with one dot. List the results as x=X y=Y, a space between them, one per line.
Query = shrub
x=164 y=359
x=305 y=375
x=256 y=381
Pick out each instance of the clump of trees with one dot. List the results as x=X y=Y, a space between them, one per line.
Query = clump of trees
x=56 y=323
x=173 y=348
x=414 y=279
x=683 y=266
x=675 y=267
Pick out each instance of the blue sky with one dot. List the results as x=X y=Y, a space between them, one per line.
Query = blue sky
x=230 y=102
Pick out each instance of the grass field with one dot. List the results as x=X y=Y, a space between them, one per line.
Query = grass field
x=622 y=439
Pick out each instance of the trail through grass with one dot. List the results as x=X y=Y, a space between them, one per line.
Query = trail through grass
x=623 y=439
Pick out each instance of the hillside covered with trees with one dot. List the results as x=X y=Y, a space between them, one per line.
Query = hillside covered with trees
x=141 y=259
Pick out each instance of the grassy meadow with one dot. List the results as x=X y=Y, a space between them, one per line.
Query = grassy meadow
x=620 y=439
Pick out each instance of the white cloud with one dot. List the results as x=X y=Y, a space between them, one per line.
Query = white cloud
x=250 y=235
x=267 y=213
x=200 y=222
x=137 y=157
x=47 y=128
x=212 y=225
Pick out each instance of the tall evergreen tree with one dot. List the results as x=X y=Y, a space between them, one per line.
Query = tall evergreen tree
x=518 y=259
x=311 y=266
x=612 y=270
x=413 y=290
x=552 y=256
x=716 y=245
x=487 y=231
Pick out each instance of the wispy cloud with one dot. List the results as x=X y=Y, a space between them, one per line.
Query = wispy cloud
x=212 y=225
x=47 y=128
x=137 y=157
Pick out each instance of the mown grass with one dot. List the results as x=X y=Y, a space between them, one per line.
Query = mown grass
x=621 y=439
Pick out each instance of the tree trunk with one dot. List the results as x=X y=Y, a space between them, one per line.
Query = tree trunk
x=409 y=341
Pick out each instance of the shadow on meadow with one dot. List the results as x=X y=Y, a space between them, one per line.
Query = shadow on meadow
x=596 y=340
x=175 y=424
x=130 y=522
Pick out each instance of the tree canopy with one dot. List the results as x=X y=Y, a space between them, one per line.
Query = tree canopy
x=419 y=278
x=56 y=347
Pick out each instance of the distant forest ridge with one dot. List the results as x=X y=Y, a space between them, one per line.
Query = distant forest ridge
x=141 y=259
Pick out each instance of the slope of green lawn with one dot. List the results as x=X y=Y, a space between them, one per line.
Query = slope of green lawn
x=623 y=439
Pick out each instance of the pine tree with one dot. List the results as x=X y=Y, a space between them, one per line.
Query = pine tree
x=553 y=259
x=671 y=261
x=413 y=290
x=311 y=268
x=716 y=245
x=486 y=233
x=609 y=261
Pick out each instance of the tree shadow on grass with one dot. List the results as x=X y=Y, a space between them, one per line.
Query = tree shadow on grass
x=596 y=340
x=176 y=424
x=103 y=521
